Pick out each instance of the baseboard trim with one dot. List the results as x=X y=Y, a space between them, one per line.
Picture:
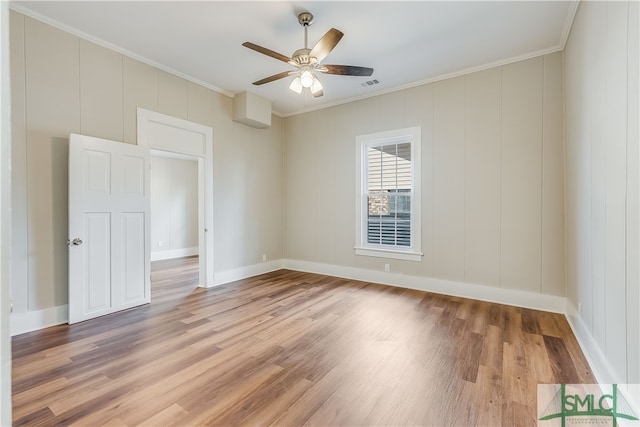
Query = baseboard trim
x=518 y=298
x=600 y=367
x=34 y=320
x=174 y=253
x=220 y=278
x=29 y=321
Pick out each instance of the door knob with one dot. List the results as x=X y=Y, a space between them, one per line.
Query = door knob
x=76 y=242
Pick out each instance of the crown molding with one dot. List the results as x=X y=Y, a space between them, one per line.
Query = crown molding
x=20 y=8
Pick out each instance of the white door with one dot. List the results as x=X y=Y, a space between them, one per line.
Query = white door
x=109 y=254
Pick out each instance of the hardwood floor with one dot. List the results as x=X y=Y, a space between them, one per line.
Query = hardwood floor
x=290 y=348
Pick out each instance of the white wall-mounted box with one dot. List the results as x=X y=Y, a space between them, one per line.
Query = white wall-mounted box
x=252 y=110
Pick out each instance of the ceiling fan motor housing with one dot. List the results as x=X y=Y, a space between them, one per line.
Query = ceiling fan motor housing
x=301 y=57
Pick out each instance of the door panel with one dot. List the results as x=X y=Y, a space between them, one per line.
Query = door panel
x=133 y=242
x=96 y=257
x=109 y=254
x=97 y=171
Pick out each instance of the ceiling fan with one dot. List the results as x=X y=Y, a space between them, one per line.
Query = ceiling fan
x=309 y=61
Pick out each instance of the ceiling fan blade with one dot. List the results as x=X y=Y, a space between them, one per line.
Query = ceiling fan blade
x=326 y=44
x=317 y=94
x=266 y=51
x=346 y=70
x=278 y=76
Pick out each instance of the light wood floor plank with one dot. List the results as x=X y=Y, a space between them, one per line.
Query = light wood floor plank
x=292 y=348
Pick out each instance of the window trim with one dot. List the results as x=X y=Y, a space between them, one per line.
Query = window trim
x=362 y=247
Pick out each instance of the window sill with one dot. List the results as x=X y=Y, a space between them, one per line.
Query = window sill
x=388 y=253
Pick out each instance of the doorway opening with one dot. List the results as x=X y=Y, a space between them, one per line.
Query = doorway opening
x=178 y=138
x=174 y=221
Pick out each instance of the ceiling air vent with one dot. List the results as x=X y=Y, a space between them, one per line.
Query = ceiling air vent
x=370 y=83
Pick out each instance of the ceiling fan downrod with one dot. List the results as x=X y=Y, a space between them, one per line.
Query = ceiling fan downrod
x=305 y=19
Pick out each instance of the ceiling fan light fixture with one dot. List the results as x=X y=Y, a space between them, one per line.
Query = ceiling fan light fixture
x=316 y=87
x=307 y=79
x=296 y=85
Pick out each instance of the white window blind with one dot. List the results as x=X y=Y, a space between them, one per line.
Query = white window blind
x=389 y=193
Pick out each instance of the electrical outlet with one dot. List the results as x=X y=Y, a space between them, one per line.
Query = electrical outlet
x=387 y=268
x=264 y=257
x=579 y=308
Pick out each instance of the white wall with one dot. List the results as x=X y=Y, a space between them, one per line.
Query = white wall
x=5 y=217
x=63 y=84
x=492 y=178
x=601 y=74
x=174 y=207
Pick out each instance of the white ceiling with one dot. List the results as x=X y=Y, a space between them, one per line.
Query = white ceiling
x=406 y=43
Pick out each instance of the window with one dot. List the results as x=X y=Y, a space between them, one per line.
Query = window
x=388 y=202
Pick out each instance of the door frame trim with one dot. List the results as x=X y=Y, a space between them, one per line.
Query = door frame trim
x=146 y=121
